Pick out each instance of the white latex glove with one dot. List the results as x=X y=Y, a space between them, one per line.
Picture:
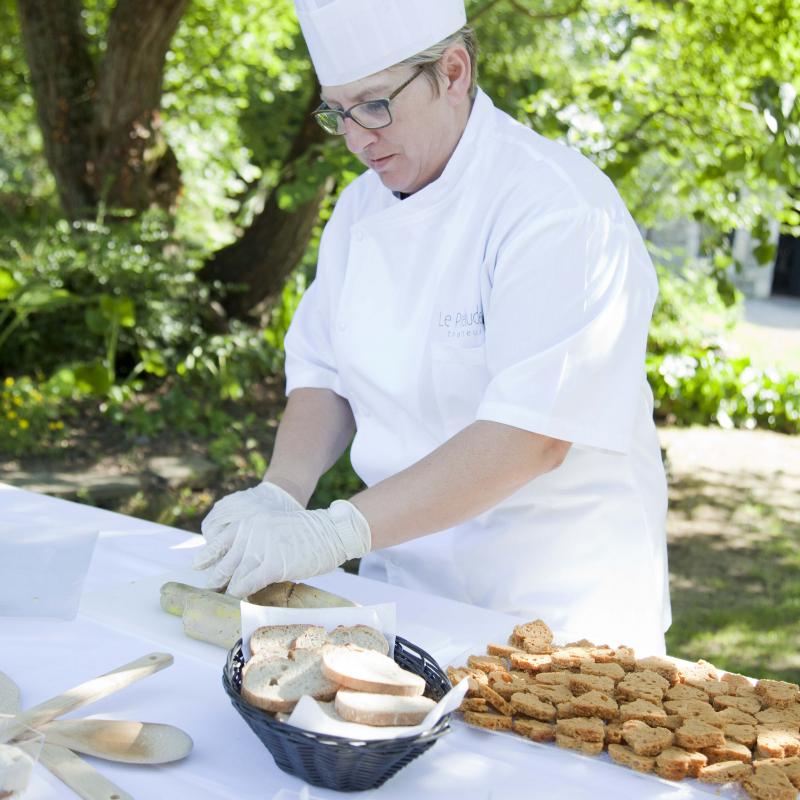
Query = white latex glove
x=269 y=548
x=219 y=525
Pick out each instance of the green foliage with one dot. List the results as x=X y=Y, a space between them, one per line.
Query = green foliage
x=688 y=107
x=31 y=414
x=94 y=296
x=227 y=364
x=694 y=381
x=705 y=387
x=339 y=481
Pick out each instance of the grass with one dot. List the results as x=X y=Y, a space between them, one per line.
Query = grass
x=769 y=345
x=735 y=572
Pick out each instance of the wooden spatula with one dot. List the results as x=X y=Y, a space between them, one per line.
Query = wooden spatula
x=9 y=695
x=80 y=775
x=84 y=694
x=76 y=773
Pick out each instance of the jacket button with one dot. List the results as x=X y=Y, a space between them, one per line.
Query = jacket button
x=359 y=236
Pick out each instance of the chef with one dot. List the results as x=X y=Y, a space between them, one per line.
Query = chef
x=478 y=323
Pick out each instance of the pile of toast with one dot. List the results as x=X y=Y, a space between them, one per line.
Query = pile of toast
x=650 y=714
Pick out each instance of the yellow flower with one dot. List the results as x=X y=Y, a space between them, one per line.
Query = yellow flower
x=17 y=401
x=8 y=382
x=36 y=396
x=11 y=415
x=24 y=424
x=56 y=426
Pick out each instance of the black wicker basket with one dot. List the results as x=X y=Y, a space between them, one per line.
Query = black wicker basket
x=346 y=765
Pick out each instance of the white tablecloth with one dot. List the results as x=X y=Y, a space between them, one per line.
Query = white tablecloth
x=120 y=619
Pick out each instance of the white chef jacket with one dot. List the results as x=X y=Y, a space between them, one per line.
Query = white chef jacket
x=514 y=288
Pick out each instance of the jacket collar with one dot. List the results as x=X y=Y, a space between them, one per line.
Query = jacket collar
x=480 y=121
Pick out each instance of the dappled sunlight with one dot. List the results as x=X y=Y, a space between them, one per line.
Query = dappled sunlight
x=734 y=551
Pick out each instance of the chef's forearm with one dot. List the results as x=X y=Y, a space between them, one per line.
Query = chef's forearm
x=471 y=472
x=316 y=427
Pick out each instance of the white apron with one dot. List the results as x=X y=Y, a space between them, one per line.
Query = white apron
x=516 y=289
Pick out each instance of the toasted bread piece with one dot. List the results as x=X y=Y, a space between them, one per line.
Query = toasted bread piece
x=644 y=685
x=777 y=694
x=645 y=740
x=534 y=729
x=604 y=669
x=695 y=734
x=725 y=772
x=490 y=720
x=628 y=758
x=587 y=729
x=582 y=746
x=596 y=704
x=644 y=710
x=730 y=751
x=769 y=783
x=664 y=667
x=674 y=764
x=531 y=706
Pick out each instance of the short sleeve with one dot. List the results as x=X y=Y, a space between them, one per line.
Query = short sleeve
x=310 y=359
x=567 y=314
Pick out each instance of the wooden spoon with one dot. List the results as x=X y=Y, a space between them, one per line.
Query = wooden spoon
x=72 y=770
x=120 y=740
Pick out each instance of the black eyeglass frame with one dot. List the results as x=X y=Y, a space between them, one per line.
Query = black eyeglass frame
x=347 y=113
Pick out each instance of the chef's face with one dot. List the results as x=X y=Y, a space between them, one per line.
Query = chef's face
x=414 y=150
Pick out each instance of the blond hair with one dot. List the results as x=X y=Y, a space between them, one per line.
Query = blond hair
x=429 y=59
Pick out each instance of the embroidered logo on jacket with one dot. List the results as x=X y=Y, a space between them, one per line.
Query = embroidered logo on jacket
x=459 y=324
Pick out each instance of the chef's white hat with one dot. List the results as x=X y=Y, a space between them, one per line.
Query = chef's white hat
x=350 y=39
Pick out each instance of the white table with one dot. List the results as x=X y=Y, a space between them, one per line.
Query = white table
x=120 y=619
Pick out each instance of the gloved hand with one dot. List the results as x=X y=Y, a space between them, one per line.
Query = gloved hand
x=274 y=547
x=219 y=525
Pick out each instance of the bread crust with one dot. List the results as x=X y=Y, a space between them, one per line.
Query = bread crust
x=381 y=710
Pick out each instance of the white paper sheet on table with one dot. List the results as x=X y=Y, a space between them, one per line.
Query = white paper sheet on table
x=382 y=617
x=309 y=716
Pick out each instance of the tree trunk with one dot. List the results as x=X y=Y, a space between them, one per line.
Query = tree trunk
x=134 y=167
x=101 y=128
x=255 y=266
x=63 y=83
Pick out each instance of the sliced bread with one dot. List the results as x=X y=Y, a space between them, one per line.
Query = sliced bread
x=277 y=640
x=364 y=670
x=274 y=683
x=312 y=638
x=381 y=709
x=361 y=635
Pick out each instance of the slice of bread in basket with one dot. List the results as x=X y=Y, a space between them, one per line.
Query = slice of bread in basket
x=277 y=640
x=275 y=683
x=354 y=667
x=361 y=635
x=382 y=709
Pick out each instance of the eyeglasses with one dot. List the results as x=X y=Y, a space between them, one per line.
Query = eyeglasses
x=372 y=114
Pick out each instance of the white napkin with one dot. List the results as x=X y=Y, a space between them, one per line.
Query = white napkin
x=382 y=617
x=309 y=715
